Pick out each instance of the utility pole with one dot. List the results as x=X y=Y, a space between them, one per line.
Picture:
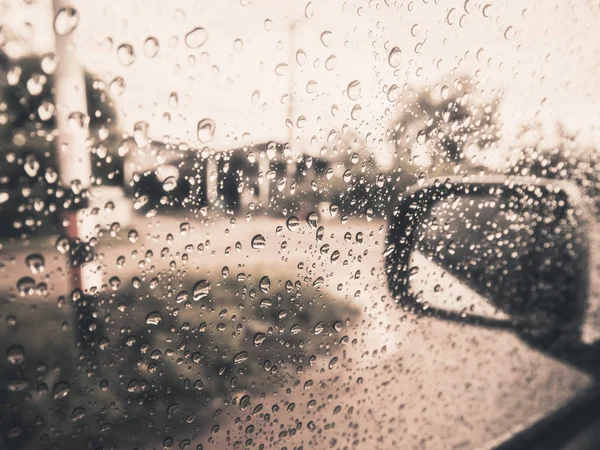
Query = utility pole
x=75 y=166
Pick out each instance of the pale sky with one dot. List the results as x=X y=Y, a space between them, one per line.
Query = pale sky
x=543 y=54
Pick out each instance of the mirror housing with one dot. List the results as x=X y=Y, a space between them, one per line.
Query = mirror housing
x=414 y=208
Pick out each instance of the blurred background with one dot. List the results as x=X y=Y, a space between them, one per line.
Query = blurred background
x=194 y=199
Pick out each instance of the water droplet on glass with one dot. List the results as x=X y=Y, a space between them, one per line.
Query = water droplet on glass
x=169 y=184
x=140 y=134
x=78 y=121
x=151 y=47
x=353 y=90
x=77 y=414
x=31 y=166
x=35 y=262
x=35 y=84
x=117 y=85
x=281 y=69
x=66 y=21
x=201 y=290
x=326 y=38
x=240 y=358
x=126 y=54
x=15 y=355
x=196 y=38
x=259 y=338
x=331 y=62
x=61 y=390
x=206 y=130
x=292 y=223
x=258 y=242
x=395 y=57
x=153 y=318
x=26 y=286
x=46 y=110
x=300 y=57
x=265 y=285
x=356 y=111
x=244 y=402
x=312 y=219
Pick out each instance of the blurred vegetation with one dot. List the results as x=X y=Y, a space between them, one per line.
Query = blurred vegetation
x=28 y=157
x=169 y=380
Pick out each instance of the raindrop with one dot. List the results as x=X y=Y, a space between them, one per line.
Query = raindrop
x=77 y=414
x=395 y=57
x=301 y=57
x=238 y=45
x=353 y=90
x=200 y=290
x=153 y=318
x=281 y=69
x=265 y=285
x=31 y=166
x=35 y=84
x=258 y=242
x=151 y=47
x=35 y=262
x=292 y=223
x=126 y=54
x=140 y=133
x=240 y=358
x=318 y=328
x=78 y=121
x=244 y=402
x=66 y=21
x=117 y=86
x=26 y=286
x=259 y=338
x=61 y=390
x=331 y=62
x=15 y=355
x=196 y=38
x=356 y=111
x=312 y=219
x=169 y=184
x=326 y=38
x=46 y=110
x=206 y=130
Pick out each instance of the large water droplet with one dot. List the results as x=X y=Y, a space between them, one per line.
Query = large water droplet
x=26 y=286
x=353 y=90
x=259 y=338
x=151 y=47
x=61 y=390
x=395 y=57
x=78 y=121
x=200 y=290
x=126 y=54
x=312 y=219
x=154 y=318
x=140 y=134
x=206 y=130
x=240 y=358
x=169 y=184
x=66 y=21
x=258 y=241
x=15 y=355
x=265 y=285
x=35 y=262
x=196 y=38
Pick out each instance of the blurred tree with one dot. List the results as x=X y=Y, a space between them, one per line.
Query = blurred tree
x=27 y=110
x=556 y=154
x=438 y=126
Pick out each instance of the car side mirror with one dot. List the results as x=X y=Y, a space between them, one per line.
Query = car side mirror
x=521 y=245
